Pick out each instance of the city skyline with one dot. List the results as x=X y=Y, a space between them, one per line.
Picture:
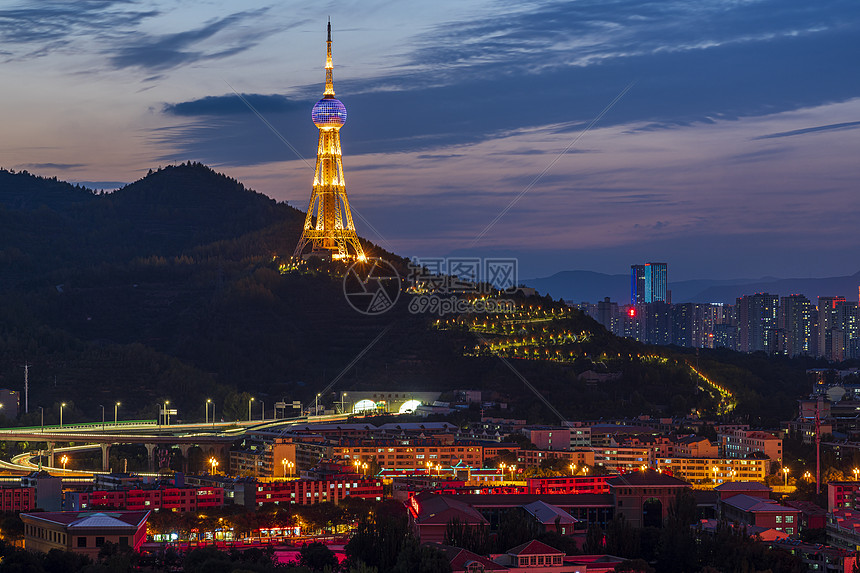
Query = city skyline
x=732 y=154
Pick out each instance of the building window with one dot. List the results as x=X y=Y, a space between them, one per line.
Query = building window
x=82 y=541
x=789 y=519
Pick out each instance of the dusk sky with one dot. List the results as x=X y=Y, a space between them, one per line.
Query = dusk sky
x=735 y=152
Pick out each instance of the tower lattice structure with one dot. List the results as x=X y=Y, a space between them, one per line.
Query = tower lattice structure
x=333 y=231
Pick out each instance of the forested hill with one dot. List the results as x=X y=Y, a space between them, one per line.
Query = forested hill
x=170 y=289
x=46 y=225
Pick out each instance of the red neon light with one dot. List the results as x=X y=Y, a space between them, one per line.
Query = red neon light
x=632 y=312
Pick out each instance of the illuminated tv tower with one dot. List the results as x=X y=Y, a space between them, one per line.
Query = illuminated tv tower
x=334 y=233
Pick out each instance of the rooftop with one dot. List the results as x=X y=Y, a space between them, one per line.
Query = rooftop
x=756 y=504
x=648 y=478
x=546 y=513
x=92 y=519
x=534 y=547
x=742 y=486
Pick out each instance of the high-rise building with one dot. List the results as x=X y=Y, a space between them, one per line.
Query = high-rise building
x=757 y=322
x=328 y=224
x=637 y=284
x=649 y=283
x=831 y=332
x=656 y=282
x=607 y=315
x=795 y=325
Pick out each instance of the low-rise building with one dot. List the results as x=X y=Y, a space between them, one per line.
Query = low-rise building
x=842 y=495
x=16 y=498
x=180 y=499
x=616 y=458
x=843 y=529
x=569 y=485
x=714 y=471
x=534 y=458
x=309 y=492
x=743 y=443
x=536 y=556
x=644 y=498
x=48 y=490
x=548 y=437
x=812 y=515
x=410 y=453
x=85 y=533
x=429 y=516
x=819 y=558
x=747 y=510
x=695 y=447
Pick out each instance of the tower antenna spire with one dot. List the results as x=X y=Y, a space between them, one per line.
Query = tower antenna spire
x=328 y=224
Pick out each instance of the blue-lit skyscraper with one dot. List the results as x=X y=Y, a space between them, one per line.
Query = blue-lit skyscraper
x=649 y=283
x=656 y=282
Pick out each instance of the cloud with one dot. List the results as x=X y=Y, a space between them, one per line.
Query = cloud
x=166 y=51
x=818 y=129
x=231 y=104
x=53 y=25
x=60 y=166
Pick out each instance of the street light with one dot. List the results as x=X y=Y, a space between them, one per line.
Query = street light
x=206 y=406
x=262 y=411
x=714 y=469
x=166 y=413
x=102 y=406
x=251 y=399
x=572 y=469
x=64 y=460
x=214 y=463
x=288 y=464
x=317 y=405
x=115 y=411
x=42 y=412
x=808 y=476
x=63 y=405
x=513 y=468
x=785 y=473
x=856 y=471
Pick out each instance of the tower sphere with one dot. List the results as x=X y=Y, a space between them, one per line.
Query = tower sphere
x=329 y=112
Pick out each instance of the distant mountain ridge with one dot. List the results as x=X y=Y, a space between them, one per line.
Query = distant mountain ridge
x=590 y=286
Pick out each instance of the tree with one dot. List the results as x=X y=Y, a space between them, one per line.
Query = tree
x=317 y=556
x=415 y=558
x=378 y=540
x=634 y=566
x=474 y=538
